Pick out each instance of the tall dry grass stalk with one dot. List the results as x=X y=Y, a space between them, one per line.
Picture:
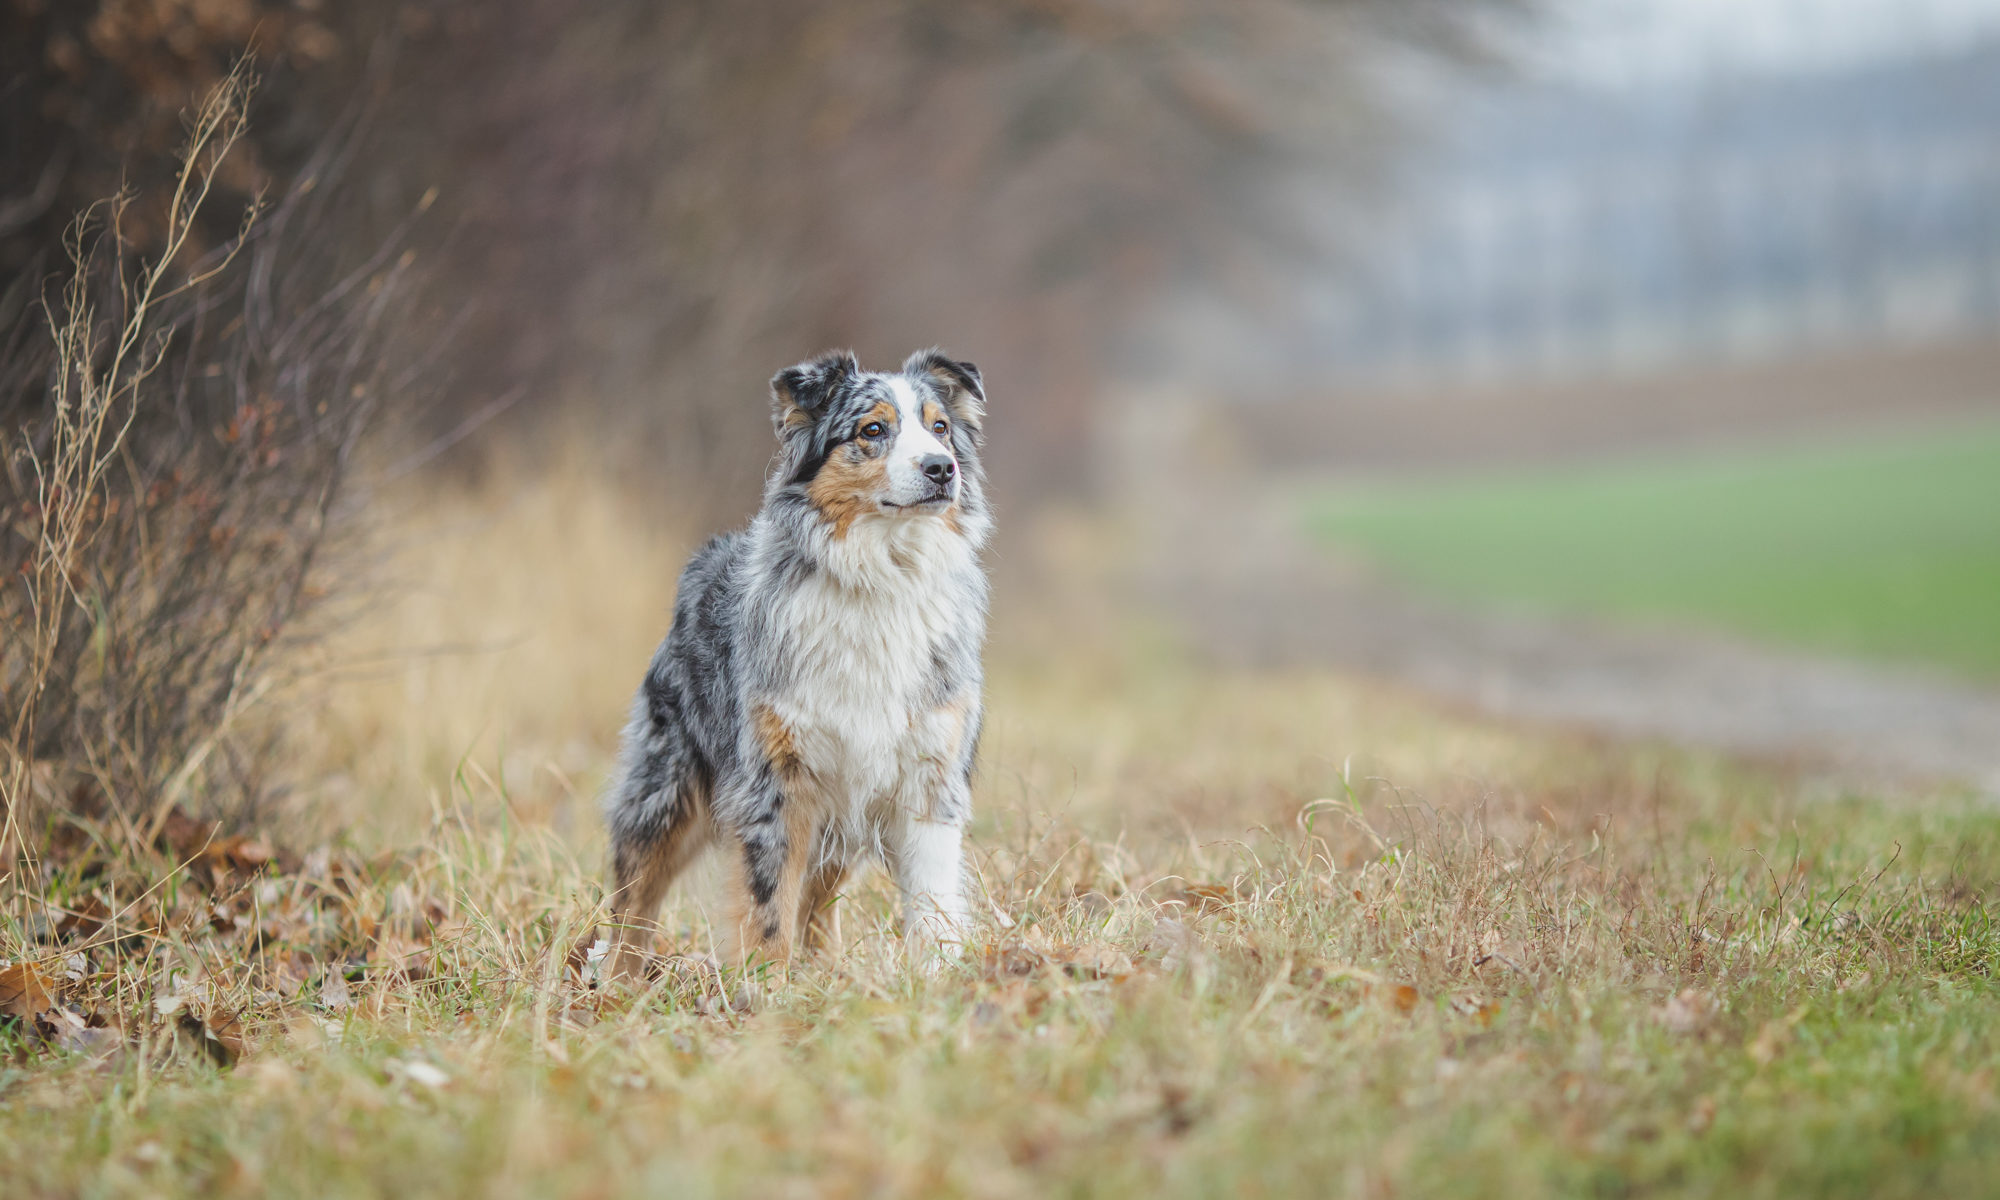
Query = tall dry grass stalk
x=95 y=394
x=180 y=436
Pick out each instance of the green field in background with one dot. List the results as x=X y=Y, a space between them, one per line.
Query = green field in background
x=1883 y=547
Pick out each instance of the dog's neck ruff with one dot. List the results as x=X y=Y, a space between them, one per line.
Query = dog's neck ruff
x=885 y=552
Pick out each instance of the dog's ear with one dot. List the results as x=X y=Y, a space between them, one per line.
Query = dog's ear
x=958 y=382
x=800 y=393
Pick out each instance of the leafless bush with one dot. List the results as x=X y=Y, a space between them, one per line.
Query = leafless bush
x=177 y=433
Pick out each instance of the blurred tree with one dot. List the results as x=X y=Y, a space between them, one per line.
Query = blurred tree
x=650 y=206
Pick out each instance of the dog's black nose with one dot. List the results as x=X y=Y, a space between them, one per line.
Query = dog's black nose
x=939 y=467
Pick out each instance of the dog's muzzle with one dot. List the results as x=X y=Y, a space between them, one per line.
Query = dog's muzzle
x=940 y=476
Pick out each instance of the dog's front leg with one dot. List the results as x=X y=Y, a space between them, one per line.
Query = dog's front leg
x=930 y=871
x=773 y=872
x=773 y=817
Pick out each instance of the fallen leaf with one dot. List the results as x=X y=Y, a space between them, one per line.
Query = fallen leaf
x=1207 y=897
x=220 y=1037
x=225 y=1030
x=84 y=920
x=77 y=1033
x=94 y=1042
x=1095 y=961
x=25 y=992
x=235 y=857
x=184 y=837
x=1013 y=960
x=1482 y=1011
x=1172 y=943
x=1015 y=997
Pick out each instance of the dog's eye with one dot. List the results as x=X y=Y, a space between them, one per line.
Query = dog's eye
x=938 y=427
x=873 y=429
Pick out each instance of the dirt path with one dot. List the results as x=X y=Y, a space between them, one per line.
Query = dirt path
x=1239 y=572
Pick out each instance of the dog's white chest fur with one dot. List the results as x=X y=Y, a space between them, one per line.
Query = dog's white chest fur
x=861 y=638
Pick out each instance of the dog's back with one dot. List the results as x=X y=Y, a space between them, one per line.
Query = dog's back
x=816 y=701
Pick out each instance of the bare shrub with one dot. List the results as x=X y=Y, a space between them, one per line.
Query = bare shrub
x=177 y=434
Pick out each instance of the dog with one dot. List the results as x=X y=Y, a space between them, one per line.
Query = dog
x=817 y=701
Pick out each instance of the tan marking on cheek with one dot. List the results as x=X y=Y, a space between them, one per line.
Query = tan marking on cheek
x=846 y=487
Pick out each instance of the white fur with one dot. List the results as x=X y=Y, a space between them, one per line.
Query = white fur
x=856 y=700
x=929 y=864
x=914 y=442
x=857 y=697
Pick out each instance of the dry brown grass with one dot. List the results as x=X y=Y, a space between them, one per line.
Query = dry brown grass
x=515 y=617
x=1226 y=954
x=176 y=428
x=518 y=612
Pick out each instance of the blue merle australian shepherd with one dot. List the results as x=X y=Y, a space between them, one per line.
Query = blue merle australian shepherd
x=817 y=701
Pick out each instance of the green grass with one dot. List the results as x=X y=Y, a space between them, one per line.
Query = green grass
x=1888 y=547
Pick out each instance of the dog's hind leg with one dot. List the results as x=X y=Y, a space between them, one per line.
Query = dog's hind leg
x=643 y=867
x=658 y=813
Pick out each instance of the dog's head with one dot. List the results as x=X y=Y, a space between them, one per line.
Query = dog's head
x=893 y=445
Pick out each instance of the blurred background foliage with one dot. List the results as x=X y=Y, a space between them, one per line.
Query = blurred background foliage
x=464 y=234
x=645 y=206
x=1332 y=307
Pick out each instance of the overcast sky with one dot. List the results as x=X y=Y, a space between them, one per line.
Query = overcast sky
x=1654 y=41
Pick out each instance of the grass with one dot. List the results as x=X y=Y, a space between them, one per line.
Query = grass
x=1888 y=547
x=1235 y=957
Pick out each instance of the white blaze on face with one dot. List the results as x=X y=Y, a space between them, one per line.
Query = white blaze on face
x=914 y=443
